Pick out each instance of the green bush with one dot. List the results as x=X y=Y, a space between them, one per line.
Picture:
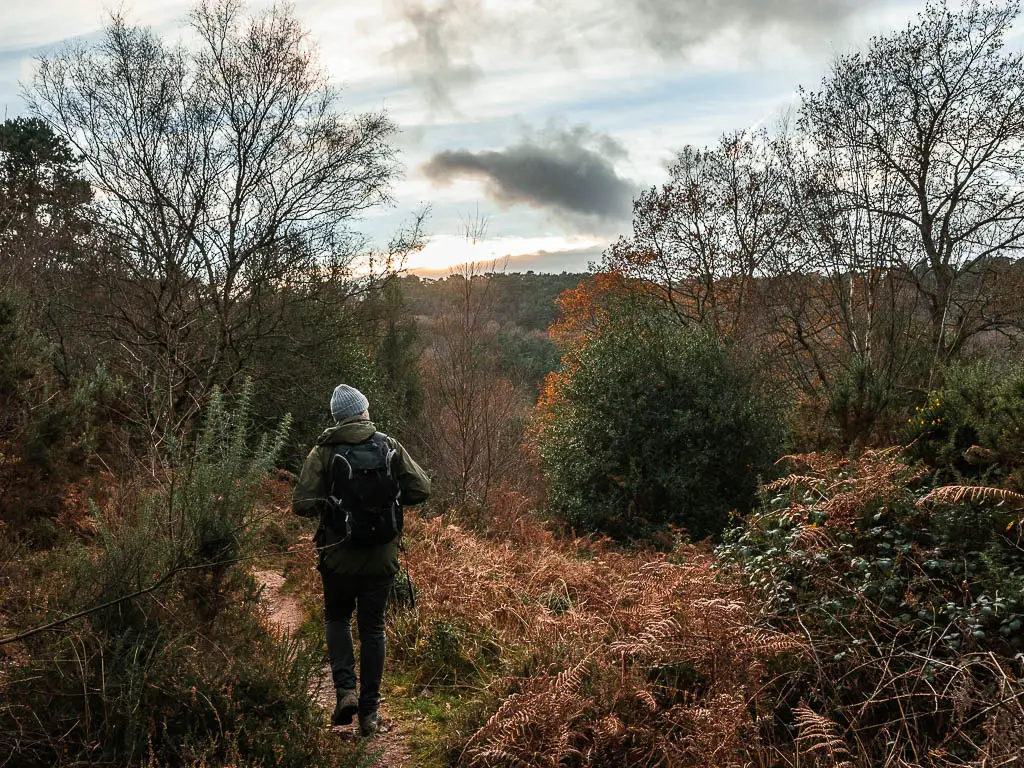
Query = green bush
x=171 y=665
x=646 y=431
x=68 y=427
x=942 y=576
x=51 y=427
x=525 y=357
x=861 y=403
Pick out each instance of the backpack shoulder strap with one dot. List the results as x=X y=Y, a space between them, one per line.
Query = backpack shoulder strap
x=383 y=443
x=341 y=468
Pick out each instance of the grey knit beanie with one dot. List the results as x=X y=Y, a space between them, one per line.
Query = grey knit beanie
x=347 y=402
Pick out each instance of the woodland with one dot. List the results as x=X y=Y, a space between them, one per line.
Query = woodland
x=749 y=492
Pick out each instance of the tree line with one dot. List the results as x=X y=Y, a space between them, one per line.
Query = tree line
x=870 y=240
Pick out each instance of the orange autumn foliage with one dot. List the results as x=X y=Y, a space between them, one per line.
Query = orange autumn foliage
x=584 y=309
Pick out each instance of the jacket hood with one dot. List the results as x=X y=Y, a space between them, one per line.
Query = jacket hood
x=347 y=432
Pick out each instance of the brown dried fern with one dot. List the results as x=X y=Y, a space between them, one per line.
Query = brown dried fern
x=820 y=737
x=591 y=698
x=792 y=480
x=955 y=494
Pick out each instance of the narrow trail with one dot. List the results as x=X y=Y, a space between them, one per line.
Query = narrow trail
x=284 y=613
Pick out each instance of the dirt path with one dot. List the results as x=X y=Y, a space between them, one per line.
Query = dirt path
x=285 y=613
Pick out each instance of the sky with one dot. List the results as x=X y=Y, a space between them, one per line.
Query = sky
x=541 y=118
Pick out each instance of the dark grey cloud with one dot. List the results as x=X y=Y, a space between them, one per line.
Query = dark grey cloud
x=567 y=171
x=446 y=36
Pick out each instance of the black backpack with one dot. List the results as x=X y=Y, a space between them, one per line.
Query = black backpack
x=363 y=506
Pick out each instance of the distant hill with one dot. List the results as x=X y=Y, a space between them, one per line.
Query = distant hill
x=522 y=299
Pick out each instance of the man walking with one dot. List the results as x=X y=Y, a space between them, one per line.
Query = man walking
x=357 y=480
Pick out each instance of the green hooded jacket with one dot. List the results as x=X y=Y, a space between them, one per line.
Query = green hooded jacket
x=310 y=500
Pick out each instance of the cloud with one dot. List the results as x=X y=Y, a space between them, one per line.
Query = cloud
x=569 y=172
x=452 y=42
x=673 y=27
x=440 y=54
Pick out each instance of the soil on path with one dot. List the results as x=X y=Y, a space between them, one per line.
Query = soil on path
x=284 y=613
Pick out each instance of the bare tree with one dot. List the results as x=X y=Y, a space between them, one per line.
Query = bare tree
x=226 y=182
x=925 y=132
x=473 y=411
x=701 y=240
x=844 y=298
x=883 y=221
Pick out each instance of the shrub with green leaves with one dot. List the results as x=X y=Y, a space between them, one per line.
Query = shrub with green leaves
x=913 y=604
x=848 y=546
x=643 y=431
x=973 y=427
x=170 y=663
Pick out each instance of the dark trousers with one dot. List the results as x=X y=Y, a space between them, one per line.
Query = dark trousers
x=342 y=595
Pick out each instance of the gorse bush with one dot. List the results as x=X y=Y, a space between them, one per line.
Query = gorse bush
x=861 y=403
x=51 y=427
x=167 y=691
x=217 y=498
x=171 y=664
x=973 y=427
x=643 y=431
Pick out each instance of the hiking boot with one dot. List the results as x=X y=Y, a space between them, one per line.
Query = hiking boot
x=346 y=708
x=369 y=725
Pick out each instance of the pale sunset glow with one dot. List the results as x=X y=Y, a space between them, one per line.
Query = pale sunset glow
x=444 y=252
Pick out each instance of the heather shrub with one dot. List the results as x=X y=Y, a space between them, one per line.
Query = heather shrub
x=643 y=431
